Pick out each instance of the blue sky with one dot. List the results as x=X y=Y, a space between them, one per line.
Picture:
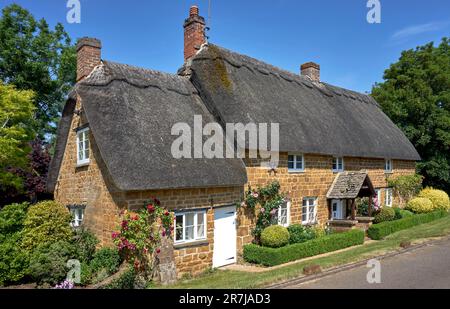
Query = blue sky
x=286 y=33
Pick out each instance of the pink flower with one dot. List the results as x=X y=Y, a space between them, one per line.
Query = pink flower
x=255 y=194
x=125 y=224
x=163 y=233
x=243 y=204
x=115 y=235
x=263 y=210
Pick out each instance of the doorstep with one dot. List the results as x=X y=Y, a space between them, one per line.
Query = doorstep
x=259 y=269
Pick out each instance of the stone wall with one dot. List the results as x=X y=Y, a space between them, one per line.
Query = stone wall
x=315 y=181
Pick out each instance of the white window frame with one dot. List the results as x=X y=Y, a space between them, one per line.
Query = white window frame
x=297 y=158
x=388 y=166
x=195 y=238
x=84 y=160
x=389 y=197
x=288 y=214
x=77 y=214
x=338 y=161
x=308 y=214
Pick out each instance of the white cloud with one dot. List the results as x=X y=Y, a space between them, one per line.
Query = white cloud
x=418 y=29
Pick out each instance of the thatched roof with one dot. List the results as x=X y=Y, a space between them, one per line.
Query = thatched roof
x=131 y=112
x=313 y=117
x=350 y=185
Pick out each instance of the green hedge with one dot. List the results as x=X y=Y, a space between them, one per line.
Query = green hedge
x=271 y=257
x=381 y=230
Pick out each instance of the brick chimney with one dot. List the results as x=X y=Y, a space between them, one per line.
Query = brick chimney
x=89 y=55
x=312 y=70
x=194 y=33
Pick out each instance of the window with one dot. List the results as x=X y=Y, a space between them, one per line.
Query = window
x=296 y=163
x=77 y=213
x=338 y=165
x=388 y=166
x=309 y=210
x=190 y=226
x=283 y=215
x=388 y=200
x=83 y=146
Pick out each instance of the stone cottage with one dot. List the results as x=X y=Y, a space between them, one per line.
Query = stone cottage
x=113 y=148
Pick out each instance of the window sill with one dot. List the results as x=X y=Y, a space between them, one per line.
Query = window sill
x=389 y=172
x=296 y=171
x=80 y=165
x=337 y=171
x=197 y=243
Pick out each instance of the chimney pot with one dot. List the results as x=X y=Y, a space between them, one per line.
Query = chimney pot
x=89 y=55
x=311 y=70
x=194 y=33
x=193 y=11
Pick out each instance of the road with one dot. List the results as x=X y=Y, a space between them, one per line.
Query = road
x=425 y=268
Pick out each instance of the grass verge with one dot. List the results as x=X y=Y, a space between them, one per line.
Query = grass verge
x=244 y=280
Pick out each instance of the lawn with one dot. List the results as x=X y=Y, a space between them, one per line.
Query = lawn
x=244 y=280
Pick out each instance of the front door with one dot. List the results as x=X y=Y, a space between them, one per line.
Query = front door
x=224 y=236
x=337 y=210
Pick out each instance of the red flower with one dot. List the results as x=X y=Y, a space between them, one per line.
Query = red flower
x=158 y=251
x=163 y=233
x=157 y=202
x=150 y=208
x=124 y=224
x=167 y=213
x=115 y=235
x=135 y=218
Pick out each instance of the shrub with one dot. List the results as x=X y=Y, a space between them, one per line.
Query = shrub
x=46 y=223
x=299 y=233
x=106 y=258
x=85 y=243
x=405 y=213
x=385 y=214
x=125 y=282
x=12 y=218
x=13 y=260
x=48 y=262
x=379 y=231
x=420 y=205
x=398 y=214
x=275 y=236
x=276 y=256
x=406 y=187
x=439 y=198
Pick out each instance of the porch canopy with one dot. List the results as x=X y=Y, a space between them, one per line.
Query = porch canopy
x=351 y=185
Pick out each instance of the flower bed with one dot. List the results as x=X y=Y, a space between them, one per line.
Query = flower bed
x=381 y=230
x=271 y=257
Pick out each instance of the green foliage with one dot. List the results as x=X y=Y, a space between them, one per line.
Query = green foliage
x=46 y=223
x=299 y=233
x=379 y=231
x=275 y=236
x=12 y=218
x=13 y=260
x=86 y=243
x=385 y=214
x=276 y=256
x=415 y=95
x=420 y=205
x=106 y=258
x=402 y=213
x=406 y=187
x=35 y=57
x=125 y=282
x=269 y=199
x=439 y=198
x=48 y=262
x=16 y=118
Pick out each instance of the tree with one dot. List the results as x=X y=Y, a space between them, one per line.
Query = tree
x=34 y=57
x=16 y=121
x=415 y=94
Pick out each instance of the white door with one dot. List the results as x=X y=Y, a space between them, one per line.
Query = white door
x=337 y=209
x=224 y=236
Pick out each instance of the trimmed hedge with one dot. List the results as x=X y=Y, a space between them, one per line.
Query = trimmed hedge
x=381 y=230
x=271 y=257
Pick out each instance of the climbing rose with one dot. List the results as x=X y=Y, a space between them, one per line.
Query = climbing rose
x=167 y=213
x=151 y=208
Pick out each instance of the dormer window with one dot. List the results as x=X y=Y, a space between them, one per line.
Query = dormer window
x=338 y=165
x=83 y=147
x=388 y=168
